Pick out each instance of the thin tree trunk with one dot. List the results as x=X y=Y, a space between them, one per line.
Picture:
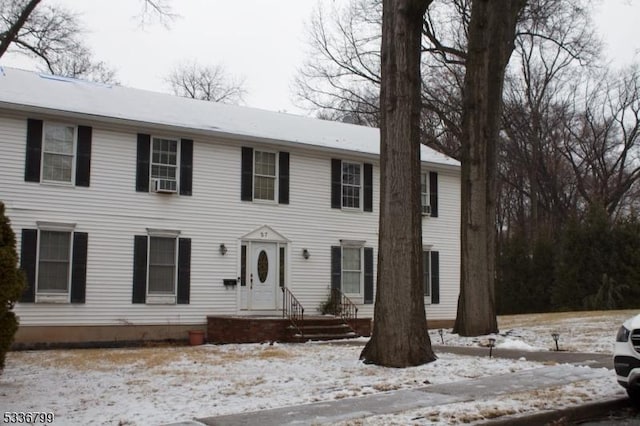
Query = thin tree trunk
x=12 y=32
x=400 y=337
x=491 y=36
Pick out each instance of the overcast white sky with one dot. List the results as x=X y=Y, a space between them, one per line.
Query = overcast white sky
x=260 y=40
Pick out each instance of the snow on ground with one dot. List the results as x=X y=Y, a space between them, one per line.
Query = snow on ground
x=156 y=385
x=579 y=332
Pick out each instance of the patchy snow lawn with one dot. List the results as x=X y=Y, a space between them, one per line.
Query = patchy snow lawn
x=156 y=385
x=579 y=331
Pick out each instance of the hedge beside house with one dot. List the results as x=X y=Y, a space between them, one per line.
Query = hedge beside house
x=11 y=285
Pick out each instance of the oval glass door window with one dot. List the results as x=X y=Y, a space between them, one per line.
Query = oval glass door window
x=263 y=266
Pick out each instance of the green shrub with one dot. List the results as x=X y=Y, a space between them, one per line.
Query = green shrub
x=330 y=306
x=11 y=285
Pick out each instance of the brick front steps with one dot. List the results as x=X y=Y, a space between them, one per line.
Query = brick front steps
x=238 y=329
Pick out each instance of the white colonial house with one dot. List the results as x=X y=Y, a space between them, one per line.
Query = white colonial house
x=140 y=214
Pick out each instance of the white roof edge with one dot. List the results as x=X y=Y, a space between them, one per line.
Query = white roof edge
x=34 y=92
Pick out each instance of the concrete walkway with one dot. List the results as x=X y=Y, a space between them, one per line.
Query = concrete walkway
x=595 y=360
x=585 y=367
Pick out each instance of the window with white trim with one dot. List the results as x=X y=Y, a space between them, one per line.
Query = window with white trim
x=424 y=193
x=426 y=273
x=352 y=270
x=58 y=152
x=162 y=266
x=264 y=175
x=351 y=184
x=54 y=260
x=164 y=164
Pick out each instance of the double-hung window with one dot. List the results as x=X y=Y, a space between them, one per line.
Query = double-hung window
x=162 y=266
x=351 y=184
x=431 y=276
x=164 y=164
x=424 y=194
x=265 y=176
x=426 y=272
x=54 y=258
x=351 y=270
x=54 y=263
x=58 y=153
x=429 y=194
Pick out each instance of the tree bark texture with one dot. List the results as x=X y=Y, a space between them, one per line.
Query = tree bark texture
x=491 y=38
x=400 y=337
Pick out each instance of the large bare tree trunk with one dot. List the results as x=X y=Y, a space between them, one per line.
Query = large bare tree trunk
x=400 y=337
x=491 y=37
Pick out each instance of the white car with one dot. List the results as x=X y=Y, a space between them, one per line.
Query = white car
x=626 y=357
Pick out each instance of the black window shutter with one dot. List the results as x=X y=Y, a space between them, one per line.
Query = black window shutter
x=34 y=151
x=184 y=270
x=336 y=183
x=433 y=193
x=140 y=269
x=246 y=183
x=142 y=163
x=28 y=256
x=83 y=162
x=368 y=187
x=368 y=275
x=79 y=267
x=336 y=267
x=435 y=277
x=283 y=178
x=186 y=166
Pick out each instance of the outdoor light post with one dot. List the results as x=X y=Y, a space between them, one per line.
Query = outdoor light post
x=492 y=342
x=440 y=332
x=556 y=336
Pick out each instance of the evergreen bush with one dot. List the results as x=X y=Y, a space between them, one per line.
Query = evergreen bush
x=11 y=285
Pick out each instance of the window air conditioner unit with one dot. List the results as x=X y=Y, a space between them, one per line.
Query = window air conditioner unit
x=426 y=210
x=168 y=186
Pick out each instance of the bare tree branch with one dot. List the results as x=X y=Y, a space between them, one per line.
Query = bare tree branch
x=7 y=37
x=208 y=83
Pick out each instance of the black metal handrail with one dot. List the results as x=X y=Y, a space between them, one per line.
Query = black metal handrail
x=343 y=306
x=292 y=309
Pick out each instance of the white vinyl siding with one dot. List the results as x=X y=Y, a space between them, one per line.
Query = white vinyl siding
x=58 y=153
x=112 y=212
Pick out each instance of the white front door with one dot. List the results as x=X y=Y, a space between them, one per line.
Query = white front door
x=263 y=278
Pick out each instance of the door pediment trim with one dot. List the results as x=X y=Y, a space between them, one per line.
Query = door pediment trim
x=265 y=233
